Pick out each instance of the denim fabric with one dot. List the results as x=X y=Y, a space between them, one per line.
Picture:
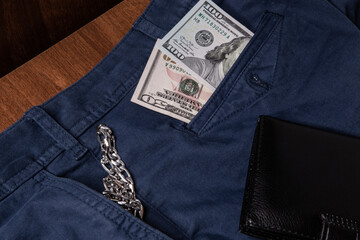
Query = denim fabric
x=302 y=65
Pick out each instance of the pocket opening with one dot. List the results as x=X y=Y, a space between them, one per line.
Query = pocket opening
x=237 y=90
x=128 y=223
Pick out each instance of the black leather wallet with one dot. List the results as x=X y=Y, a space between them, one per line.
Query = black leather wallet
x=302 y=183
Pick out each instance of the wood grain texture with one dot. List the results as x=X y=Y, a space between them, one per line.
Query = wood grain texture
x=28 y=27
x=66 y=62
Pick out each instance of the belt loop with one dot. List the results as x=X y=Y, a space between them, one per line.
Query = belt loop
x=57 y=132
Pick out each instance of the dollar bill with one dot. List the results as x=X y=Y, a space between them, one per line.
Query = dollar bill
x=206 y=42
x=168 y=88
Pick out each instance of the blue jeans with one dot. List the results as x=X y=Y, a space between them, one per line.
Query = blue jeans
x=302 y=65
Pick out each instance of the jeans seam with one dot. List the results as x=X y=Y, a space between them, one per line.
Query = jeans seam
x=251 y=101
x=166 y=217
x=100 y=109
x=41 y=179
x=98 y=201
x=104 y=214
x=87 y=75
x=204 y=127
x=103 y=61
x=49 y=153
x=20 y=179
x=10 y=128
x=153 y=207
x=219 y=88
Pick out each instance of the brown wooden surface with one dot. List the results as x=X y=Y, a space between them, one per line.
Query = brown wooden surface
x=28 y=27
x=66 y=62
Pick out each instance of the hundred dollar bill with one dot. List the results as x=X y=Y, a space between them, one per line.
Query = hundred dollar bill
x=167 y=88
x=206 y=41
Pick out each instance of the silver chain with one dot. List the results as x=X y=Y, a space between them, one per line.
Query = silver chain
x=119 y=185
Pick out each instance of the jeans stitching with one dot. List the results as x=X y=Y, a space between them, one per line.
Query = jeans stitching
x=46 y=183
x=251 y=101
x=10 y=187
x=11 y=128
x=106 y=215
x=87 y=193
x=222 y=85
x=98 y=110
x=237 y=80
x=103 y=61
x=167 y=218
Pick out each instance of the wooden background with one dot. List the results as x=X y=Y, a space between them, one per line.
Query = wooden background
x=28 y=27
x=66 y=62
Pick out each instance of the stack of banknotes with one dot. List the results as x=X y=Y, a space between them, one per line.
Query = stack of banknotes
x=189 y=63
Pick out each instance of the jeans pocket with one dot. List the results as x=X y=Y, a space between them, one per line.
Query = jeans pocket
x=79 y=212
x=251 y=77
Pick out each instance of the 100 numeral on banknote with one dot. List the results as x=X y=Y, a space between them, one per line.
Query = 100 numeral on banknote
x=207 y=41
x=167 y=88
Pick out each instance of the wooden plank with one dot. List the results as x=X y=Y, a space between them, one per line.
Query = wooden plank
x=66 y=62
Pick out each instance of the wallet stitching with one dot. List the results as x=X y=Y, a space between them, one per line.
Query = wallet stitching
x=252 y=174
x=248 y=189
x=334 y=220
x=266 y=234
x=259 y=155
x=283 y=230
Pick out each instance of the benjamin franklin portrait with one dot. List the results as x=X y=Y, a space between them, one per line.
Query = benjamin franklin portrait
x=218 y=61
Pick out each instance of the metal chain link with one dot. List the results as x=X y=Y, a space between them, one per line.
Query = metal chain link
x=119 y=185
